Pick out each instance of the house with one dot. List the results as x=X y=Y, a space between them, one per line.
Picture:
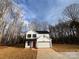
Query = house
x=38 y=39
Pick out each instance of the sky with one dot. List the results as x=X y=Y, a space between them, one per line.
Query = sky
x=44 y=10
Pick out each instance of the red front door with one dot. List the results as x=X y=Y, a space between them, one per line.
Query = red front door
x=34 y=44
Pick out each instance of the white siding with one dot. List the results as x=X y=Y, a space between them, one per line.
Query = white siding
x=30 y=32
x=26 y=45
x=40 y=35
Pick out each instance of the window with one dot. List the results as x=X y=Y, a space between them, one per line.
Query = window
x=34 y=35
x=29 y=35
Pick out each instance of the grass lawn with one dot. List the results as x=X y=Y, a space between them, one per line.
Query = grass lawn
x=65 y=48
x=17 y=53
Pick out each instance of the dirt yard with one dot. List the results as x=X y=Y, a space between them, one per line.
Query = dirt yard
x=57 y=51
x=65 y=48
x=17 y=53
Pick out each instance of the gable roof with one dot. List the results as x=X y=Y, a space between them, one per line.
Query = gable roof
x=42 y=32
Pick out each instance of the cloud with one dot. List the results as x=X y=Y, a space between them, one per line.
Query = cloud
x=56 y=12
x=27 y=13
x=49 y=10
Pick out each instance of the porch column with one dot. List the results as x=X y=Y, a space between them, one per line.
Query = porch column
x=31 y=44
x=26 y=45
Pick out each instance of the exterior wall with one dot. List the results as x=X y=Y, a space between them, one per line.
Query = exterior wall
x=26 y=45
x=30 y=32
x=40 y=35
x=37 y=34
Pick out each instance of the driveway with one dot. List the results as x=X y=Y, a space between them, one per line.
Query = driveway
x=51 y=54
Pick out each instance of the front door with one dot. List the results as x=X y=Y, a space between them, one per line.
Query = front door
x=34 y=44
x=31 y=43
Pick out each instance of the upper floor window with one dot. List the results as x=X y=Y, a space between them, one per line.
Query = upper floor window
x=34 y=35
x=29 y=35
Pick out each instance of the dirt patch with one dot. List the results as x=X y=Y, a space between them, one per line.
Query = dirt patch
x=65 y=48
x=17 y=53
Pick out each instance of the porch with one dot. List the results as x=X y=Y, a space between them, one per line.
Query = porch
x=30 y=43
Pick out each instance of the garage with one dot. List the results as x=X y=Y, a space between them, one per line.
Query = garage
x=43 y=42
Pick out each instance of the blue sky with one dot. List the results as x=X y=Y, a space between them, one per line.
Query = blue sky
x=44 y=10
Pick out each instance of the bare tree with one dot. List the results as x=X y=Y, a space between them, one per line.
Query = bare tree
x=4 y=5
x=14 y=28
x=45 y=26
x=38 y=25
x=10 y=20
x=72 y=12
x=33 y=25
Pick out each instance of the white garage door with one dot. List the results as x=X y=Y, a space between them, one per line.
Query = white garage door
x=42 y=44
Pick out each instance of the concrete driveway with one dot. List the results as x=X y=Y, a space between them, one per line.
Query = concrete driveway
x=51 y=54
